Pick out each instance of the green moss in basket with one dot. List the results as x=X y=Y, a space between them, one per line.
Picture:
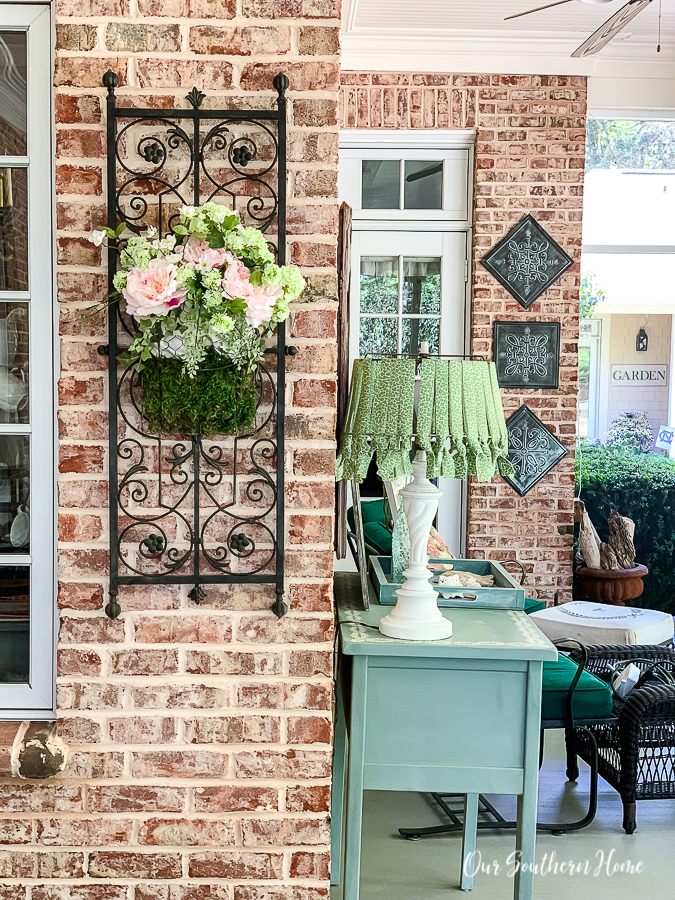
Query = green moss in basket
x=218 y=400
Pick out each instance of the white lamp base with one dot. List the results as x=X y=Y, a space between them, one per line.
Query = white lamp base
x=416 y=616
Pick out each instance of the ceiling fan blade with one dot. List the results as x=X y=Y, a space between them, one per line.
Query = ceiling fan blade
x=548 y=6
x=611 y=28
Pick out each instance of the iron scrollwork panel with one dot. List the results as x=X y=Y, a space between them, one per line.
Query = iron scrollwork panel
x=195 y=509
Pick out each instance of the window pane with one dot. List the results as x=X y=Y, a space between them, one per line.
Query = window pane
x=14 y=493
x=14 y=624
x=423 y=184
x=13 y=229
x=417 y=330
x=584 y=390
x=13 y=95
x=378 y=336
x=13 y=363
x=422 y=286
x=381 y=184
x=379 y=284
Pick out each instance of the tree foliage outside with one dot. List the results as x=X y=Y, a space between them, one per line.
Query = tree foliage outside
x=589 y=295
x=631 y=431
x=642 y=487
x=378 y=294
x=630 y=144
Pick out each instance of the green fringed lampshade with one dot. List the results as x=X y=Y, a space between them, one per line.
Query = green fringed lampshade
x=460 y=420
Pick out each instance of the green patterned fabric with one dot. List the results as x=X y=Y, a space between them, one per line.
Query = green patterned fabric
x=379 y=419
x=460 y=420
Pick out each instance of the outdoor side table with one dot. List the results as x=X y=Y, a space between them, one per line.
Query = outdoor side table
x=460 y=715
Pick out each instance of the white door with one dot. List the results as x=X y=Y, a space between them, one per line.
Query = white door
x=409 y=287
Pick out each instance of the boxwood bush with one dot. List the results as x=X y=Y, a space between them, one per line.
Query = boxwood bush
x=642 y=487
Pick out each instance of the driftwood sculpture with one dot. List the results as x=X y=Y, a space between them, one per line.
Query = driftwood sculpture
x=618 y=552
x=621 y=531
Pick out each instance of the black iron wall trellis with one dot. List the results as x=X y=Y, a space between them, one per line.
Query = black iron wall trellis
x=194 y=509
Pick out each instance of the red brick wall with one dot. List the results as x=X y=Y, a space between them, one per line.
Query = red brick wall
x=199 y=736
x=529 y=159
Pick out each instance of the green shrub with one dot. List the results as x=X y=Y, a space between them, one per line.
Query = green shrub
x=631 y=431
x=219 y=399
x=642 y=487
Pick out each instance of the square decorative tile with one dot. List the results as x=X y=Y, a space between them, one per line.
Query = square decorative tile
x=527 y=354
x=527 y=261
x=533 y=450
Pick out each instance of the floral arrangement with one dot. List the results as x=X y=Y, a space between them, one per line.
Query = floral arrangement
x=212 y=285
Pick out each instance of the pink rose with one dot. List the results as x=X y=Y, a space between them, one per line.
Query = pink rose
x=259 y=300
x=198 y=254
x=260 y=303
x=235 y=281
x=153 y=291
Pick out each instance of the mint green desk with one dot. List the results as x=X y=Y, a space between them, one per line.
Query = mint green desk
x=460 y=715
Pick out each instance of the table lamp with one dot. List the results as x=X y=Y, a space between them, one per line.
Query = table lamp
x=458 y=430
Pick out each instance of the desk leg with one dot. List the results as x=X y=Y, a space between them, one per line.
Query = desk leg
x=357 y=741
x=469 y=840
x=527 y=802
x=338 y=791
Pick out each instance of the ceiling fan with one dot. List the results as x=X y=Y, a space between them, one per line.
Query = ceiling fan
x=606 y=32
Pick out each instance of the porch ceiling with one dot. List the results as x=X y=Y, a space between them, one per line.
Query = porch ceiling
x=440 y=31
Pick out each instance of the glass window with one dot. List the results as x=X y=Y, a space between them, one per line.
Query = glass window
x=423 y=185
x=13 y=93
x=584 y=390
x=13 y=229
x=381 y=184
x=14 y=493
x=13 y=363
x=379 y=284
x=422 y=286
x=14 y=624
x=378 y=335
x=399 y=304
x=589 y=364
x=414 y=331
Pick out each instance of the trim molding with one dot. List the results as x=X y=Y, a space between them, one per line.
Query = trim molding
x=629 y=249
x=414 y=138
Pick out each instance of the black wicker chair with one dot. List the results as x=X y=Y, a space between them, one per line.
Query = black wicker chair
x=636 y=751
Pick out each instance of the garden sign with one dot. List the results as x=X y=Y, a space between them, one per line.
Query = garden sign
x=630 y=375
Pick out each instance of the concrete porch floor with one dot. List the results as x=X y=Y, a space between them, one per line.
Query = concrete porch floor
x=396 y=869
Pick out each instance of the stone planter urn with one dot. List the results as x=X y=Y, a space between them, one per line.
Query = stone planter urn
x=612 y=586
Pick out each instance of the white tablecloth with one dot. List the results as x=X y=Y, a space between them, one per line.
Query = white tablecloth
x=598 y=623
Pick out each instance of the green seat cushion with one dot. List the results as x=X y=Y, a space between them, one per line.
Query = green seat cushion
x=374 y=531
x=592 y=697
x=533 y=605
x=377 y=536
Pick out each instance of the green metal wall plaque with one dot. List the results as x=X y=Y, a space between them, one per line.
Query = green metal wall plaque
x=527 y=354
x=527 y=261
x=533 y=450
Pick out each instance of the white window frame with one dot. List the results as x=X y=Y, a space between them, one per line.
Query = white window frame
x=457 y=150
x=591 y=337
x=449 y=246
x=454 y=148
x=36 y=699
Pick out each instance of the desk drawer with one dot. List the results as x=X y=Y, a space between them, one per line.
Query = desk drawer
x=465 y=717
